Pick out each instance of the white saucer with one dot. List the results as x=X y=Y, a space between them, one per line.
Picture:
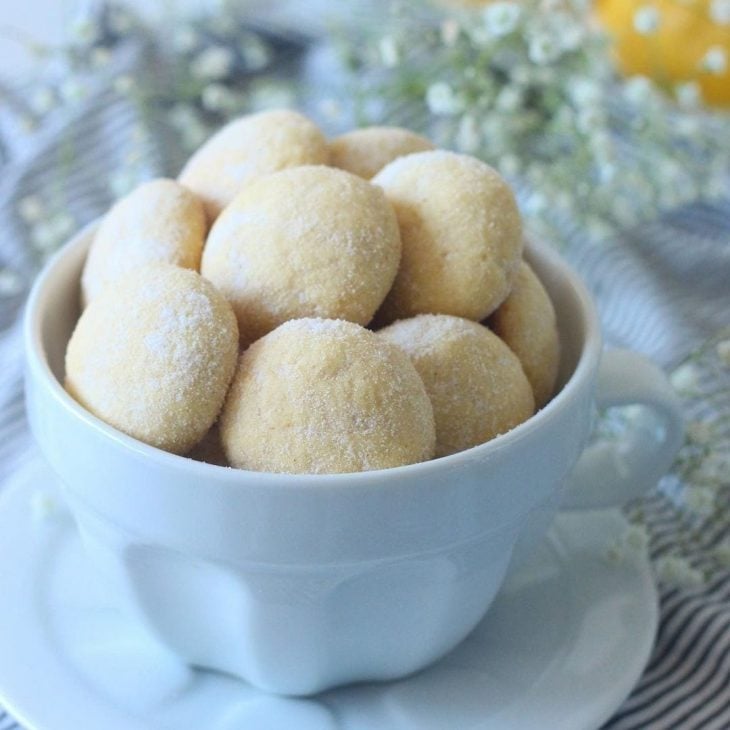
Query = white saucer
x=562 y=646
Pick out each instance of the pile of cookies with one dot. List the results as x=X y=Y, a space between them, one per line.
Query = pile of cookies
x=303 y=305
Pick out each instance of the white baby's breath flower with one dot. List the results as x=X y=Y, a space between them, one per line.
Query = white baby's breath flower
x=441 y=99
x=545 y=75
x=84 y=30
x=699 y=500
x=123 y=84
x=723 y=352
x=255 y=53
x=521 y=74
x=687 y=125
x=616 y=553
x=480 y=36
x=636 y=538
x=714 y=61
x=42 y=100
x=632 y=543
x=330 y=108
x=100 y=56
x=584 y=92
x=607 y=172
x=468 y=137
x=646 y=20
x=720 y=12
x=685 y=378
x=638 y=89
x=185 y=39
x=213 y=63
x=449 y=30
x=72 y=90
x=601 y=145
x=122 y=181
x=571 y=36
x=501 y=18
x=689 y=95
x=598 y=228
x=11 y=283
x=218 y=98
x=678 y=571
x=389 y=51
x=30 y=209
x=714 y=470
x=271 y=95
x=43 y=237
x=589 y=120
x=120 y=20
x=509 y=165
x=543 y=49
x=509 y=98
x=670 y=171
x=62 y=226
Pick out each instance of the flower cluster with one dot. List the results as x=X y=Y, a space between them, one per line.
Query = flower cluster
x=698 y=488
x=529 y=87
x=209 y=68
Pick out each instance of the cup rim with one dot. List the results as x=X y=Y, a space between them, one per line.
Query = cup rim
x=37 y=363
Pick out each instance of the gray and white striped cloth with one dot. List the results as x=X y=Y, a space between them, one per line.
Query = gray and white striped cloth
x=661 y=289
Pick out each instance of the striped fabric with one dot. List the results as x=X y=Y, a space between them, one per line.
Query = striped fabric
x=661 y=289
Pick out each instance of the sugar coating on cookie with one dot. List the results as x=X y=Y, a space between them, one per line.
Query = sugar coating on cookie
x=160 y=221
x=476 y=384
x=153 y=356
x=247 y=148
x=526 y=322
x=366 y=151
x=322 y=397
x=461 y=234
x=312 y=241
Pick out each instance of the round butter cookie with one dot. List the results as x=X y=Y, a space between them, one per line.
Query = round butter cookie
x=322 y=396
x=247 y=148
x=461 y=234
x=311 y=241
x=158 y=222
x=526 y=322
x=366 y=151
x=476 y=384
x=153 y=356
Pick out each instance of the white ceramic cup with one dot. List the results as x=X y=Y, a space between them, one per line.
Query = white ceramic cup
x=298 y=583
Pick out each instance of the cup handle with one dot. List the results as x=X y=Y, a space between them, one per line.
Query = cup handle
x=609 y=473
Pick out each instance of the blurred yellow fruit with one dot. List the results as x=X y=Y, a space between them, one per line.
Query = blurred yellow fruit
x=672 y=41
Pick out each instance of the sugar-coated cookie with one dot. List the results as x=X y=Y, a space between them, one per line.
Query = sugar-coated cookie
x=461 y=234
x=325 y=396
x=526 y=322
x=312 y=241
x=153 y=356
x=247 y=148
x=366 y=151
x=160 y=221
x=476 y=384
